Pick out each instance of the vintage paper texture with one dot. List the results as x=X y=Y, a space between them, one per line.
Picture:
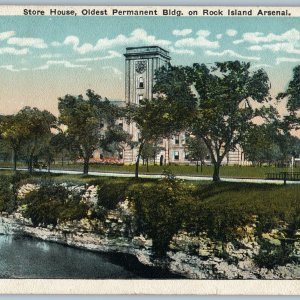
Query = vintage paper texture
x=43 y=57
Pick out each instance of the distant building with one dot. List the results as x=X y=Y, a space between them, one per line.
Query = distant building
x=141 y=63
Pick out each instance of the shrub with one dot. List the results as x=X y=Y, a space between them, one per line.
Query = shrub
x=160 y=209
x=271 y=255
x=7 y=194
x=52 y=203
x=111 y=192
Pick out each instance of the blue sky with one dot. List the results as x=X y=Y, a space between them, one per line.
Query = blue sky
x=43 y=58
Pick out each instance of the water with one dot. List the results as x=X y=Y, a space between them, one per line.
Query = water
x=26 y=257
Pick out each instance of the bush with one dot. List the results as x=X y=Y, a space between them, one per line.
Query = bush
x=271 y=255
x=111 y=192
x=7 y=194
x=160 y=209
x=52 y=203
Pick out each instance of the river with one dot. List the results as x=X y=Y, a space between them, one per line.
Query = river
x=26 y=257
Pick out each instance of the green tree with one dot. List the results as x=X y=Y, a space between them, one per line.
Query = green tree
x=225 y=94
x=84 y=119
x=150 y=151
x=197 y=150
x=292 y=94
x=260 y=145
x=154 y=120
x=36 y=132
x=14 y=132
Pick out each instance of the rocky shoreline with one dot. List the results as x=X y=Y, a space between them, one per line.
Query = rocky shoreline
x=189 y=256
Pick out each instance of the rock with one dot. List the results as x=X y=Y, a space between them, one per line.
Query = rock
x=204 y=252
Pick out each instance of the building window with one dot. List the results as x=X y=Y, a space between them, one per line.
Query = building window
x=177 y=140
x=141 y=82
x=101 y=156
x=140 y=98
x=186 y=155
x=176 y=155
x=121 y=125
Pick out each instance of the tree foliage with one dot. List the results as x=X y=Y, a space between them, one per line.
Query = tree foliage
x=225 y=94
x=84 y=119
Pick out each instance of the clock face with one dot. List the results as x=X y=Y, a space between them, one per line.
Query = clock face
x=141 y=66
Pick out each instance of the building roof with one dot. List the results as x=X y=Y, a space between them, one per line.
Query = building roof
x=146 y=50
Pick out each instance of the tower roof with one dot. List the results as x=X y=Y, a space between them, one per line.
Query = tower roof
x=146 y=50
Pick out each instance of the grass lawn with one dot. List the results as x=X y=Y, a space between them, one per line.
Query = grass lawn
x=226 y=171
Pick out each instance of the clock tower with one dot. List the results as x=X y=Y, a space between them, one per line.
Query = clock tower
x=141 y=64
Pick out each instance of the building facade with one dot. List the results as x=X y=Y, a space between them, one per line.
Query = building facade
x=141 y=63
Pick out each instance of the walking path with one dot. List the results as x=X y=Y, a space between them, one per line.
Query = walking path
x=184 y=177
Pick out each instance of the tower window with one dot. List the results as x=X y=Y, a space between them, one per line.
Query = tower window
x=141 y=82
x=177 y=140
x=140 y=97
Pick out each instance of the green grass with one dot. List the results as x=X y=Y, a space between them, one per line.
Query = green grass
x=226 y=171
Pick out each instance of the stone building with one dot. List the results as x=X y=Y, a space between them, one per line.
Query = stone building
x=141 y=63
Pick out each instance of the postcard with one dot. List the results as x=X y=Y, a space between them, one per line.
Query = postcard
x=149 y=150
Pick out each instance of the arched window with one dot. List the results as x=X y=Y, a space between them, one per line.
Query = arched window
x=141 y=82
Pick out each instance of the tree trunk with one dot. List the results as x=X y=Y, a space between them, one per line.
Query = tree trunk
x=62 y=160
x=138 y=160
x=216 y=175
x=86 y=164
x=30 y=164
x=147 y=162
x=197 y=166
x=201 y=166
x=14 y=160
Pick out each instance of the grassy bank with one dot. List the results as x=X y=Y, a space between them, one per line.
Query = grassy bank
x=226 y=171
x=164 y=206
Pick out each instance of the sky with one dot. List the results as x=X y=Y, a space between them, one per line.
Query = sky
x=43 y=58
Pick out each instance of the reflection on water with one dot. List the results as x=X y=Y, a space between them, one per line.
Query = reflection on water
x=25 y=257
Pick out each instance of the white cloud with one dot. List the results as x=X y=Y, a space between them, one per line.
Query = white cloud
x=219 y=36
x=182 y=32
x=63 y=63
x=6 y=35
x=199 y=41
x=291 y=35
x=204 y=33
x=181 y=51
x=276 y=47
x=55 y=44
x=230 y=53
x=27 y=42
x=258 y=66
x=12 y=68
x=231 y=32
x=50 y=55
x=111 y=54
x=13 y=51
x=9 y=68
x=137 y=36
x=280 y=60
